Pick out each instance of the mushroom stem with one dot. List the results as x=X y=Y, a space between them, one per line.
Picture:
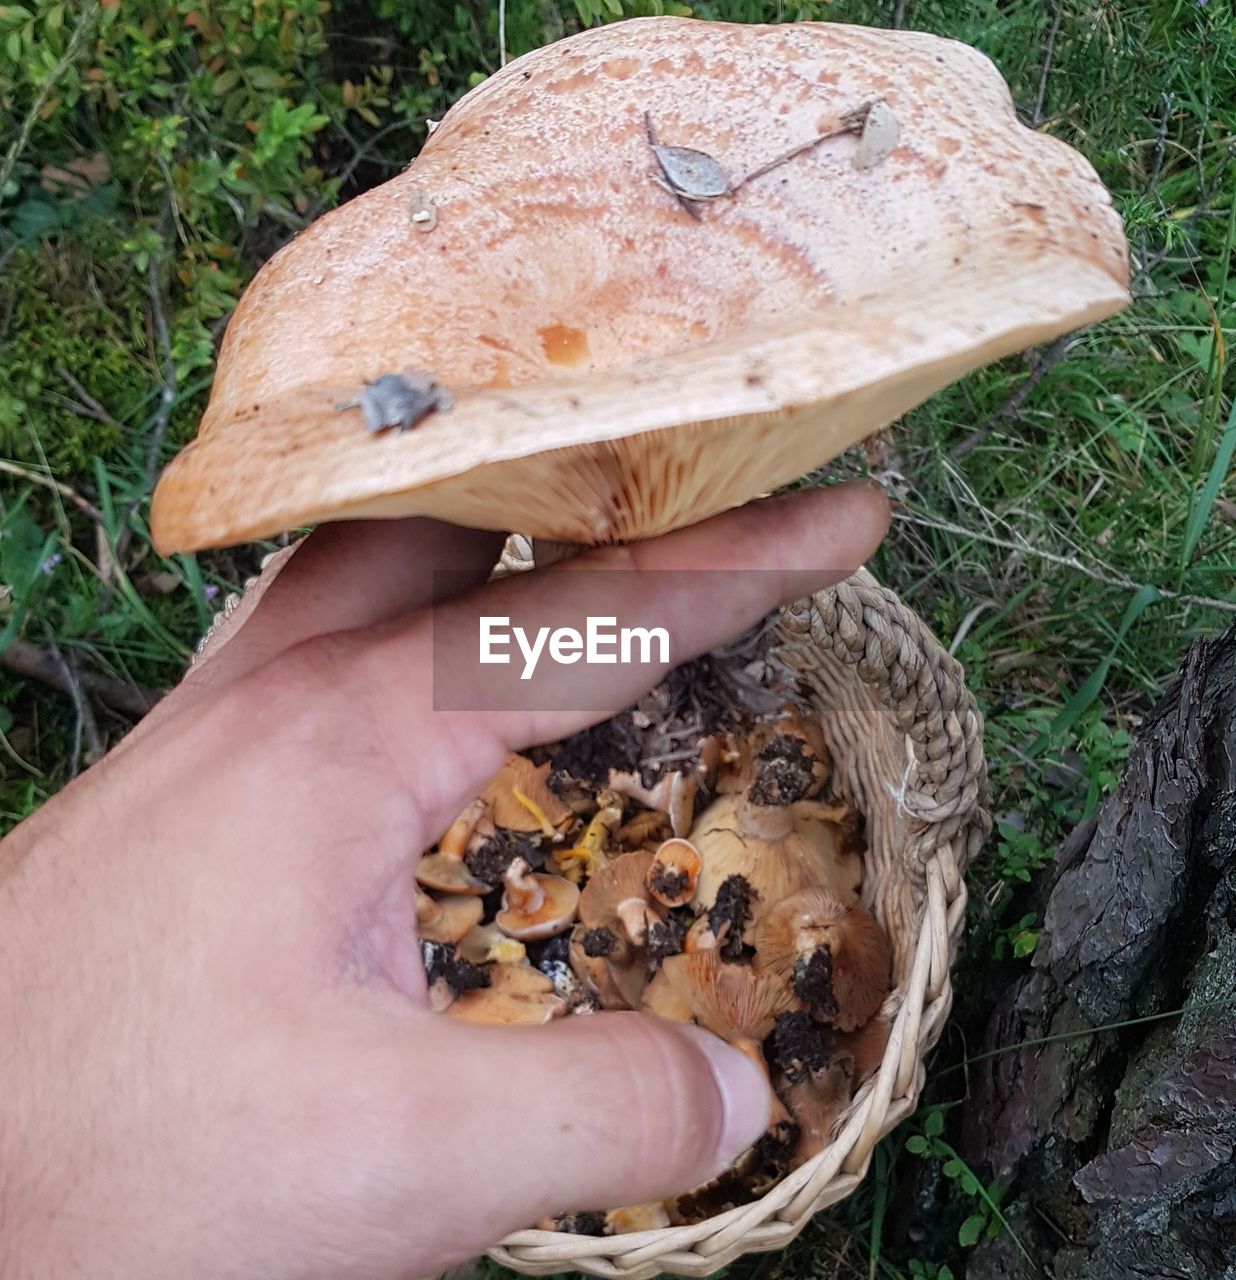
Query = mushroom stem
x=427 y=909
x=455 y=842
x=523 y=889
x=764 y=821
x=777 y=1114
x=636 y=915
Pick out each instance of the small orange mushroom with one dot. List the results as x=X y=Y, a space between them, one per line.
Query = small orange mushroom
x=536 y=905
x=618 y=894
x=674 y=872
x=445 y=870
x=446 y=919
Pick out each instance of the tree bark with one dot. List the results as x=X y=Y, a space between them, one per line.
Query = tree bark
x=1114 y=1147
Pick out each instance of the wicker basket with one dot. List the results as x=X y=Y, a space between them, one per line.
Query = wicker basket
x=907 y=743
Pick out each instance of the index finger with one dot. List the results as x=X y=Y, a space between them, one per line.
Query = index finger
x=702 y=586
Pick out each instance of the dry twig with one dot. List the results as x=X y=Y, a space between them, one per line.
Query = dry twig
x=1047 y=359
x=1049 y=51
x=33 y=663
x=65 y=491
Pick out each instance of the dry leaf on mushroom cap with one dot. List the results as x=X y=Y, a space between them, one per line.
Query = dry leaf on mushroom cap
x=596 y=336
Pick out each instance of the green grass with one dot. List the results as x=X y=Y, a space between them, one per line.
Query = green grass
x=1069 y=558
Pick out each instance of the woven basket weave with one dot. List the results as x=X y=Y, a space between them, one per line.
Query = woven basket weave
x=907 y=743
x=906 y=739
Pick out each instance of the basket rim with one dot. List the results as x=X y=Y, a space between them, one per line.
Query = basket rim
x=948 y=835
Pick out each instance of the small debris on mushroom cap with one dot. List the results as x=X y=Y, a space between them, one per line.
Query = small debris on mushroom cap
x=691 y=174
x=786 y=771
x=881 y=132
x=442 y=963
x=663 y=939
x=491 y=859
x=599 y=942
x=400 y=400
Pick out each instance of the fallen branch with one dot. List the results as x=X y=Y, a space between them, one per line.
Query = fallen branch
x=1048 y=358
x=1049 y=51
x=64 y=490
x=33 y=663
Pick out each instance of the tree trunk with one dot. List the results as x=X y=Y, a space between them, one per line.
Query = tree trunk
x=1115 y=1146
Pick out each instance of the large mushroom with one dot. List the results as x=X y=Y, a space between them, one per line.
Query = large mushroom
x=776 y=849
x=599 y=325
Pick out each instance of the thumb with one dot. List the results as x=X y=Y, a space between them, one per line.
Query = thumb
x=598 y=1112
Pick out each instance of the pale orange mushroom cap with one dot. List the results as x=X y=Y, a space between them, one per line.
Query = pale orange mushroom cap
x=618 y=366
x=535 y=905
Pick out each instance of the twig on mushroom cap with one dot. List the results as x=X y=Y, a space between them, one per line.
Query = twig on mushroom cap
x=694 y=176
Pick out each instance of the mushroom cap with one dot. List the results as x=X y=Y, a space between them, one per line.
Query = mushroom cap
x=487 y=943
x=620 y=364
x=505 y=807
x=861 y=969
x=730 y=1000
x=666 y=995
x=674 y=872
x=637 y=1217
x=447 y=919
x=553 y=914
x=816 y=1105
x=815 y=852
x=444 y=874
x=616 y=984
x=623 y=880
x=517 y=995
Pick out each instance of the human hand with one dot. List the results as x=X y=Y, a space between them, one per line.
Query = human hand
x=217 y=1057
